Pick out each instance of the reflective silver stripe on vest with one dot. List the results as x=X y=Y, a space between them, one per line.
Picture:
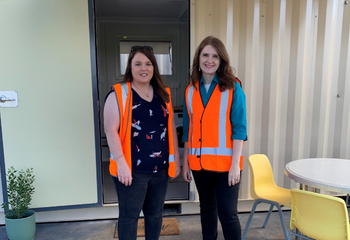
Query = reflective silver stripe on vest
x=190 y=107
x=222 y=119
x=124 y=94
x=171 y=158
x=221 y=150
x=111 y=155
x=211 y=151
x=127 y=109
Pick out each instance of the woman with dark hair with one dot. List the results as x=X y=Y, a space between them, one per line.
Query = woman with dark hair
x=215 y=127
x=141 y=135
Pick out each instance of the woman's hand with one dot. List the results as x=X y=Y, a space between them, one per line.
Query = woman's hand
x=234 y=175
x=124 y=173
x=186 y=173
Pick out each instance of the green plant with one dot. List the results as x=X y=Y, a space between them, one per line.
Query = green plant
x=19 y=192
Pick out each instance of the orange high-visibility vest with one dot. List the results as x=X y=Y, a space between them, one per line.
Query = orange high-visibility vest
x=210 y=130
x=124 y=98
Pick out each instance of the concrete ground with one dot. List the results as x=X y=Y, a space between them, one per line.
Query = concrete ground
x=189 y=226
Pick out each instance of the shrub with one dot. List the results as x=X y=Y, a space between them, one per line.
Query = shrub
x=19 y=192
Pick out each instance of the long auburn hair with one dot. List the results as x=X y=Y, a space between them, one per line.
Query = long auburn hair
x=224 y=73
x=156 y=80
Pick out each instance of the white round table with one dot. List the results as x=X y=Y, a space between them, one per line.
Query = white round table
x=330 y=174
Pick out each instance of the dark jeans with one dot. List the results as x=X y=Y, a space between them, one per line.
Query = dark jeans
x=147 y=192
x=216 y=198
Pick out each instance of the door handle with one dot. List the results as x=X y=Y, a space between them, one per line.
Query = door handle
x=5 y=99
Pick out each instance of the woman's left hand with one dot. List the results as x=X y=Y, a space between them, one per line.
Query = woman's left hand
x=234 y=175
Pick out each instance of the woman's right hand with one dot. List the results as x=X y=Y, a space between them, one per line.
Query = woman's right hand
x=186 y=172
x=124 y=173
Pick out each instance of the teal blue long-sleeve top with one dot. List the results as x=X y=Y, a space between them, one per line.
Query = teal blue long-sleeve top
x=238 y=110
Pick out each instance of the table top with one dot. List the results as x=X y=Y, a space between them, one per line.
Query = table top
x=330 y=174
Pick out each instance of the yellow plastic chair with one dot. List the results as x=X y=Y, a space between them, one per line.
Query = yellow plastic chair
x=264 y=190
x=318 y=216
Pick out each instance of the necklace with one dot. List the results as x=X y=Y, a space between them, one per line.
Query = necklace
x=141 y=90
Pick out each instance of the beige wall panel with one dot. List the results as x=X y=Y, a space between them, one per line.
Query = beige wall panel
x=193 y=33
x=229 y=31
x=334 y=103
x=293 y=59
x=328 y=86
x=263 y=48
x=282 y=88
x=302 y=81
x=251 y=73
x=342 y=110
x=202 y=21
x=251 y=67
x=224 y=23
x=241 y=69
x=317 y=87
x=45 y=57
x=312 y=76
x=345 y=131
x=265 y=57
x=275 y=85
x=234 y=39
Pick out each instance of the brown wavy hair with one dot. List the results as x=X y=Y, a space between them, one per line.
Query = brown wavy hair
x=224 y=72
x=156 y=80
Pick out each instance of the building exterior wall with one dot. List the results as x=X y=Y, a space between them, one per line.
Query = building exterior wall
x=45 y=57
x=293 y=57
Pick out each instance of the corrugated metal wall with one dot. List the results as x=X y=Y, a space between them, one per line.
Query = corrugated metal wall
x=293 y=57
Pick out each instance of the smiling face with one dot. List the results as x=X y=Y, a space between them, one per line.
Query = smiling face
x=209 y=60
x=141 y=69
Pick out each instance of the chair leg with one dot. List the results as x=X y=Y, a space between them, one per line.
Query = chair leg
x=282 y=221
x=297 y=235
x=250 y=218
x=290 y=235
x=268 y=216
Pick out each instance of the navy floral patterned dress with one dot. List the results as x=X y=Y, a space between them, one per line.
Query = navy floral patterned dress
x=149 y=135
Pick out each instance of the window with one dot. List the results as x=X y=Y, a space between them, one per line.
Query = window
x=161 y=50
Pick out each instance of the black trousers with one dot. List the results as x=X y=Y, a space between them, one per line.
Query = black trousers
x=147 y=192
x=217 y=198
